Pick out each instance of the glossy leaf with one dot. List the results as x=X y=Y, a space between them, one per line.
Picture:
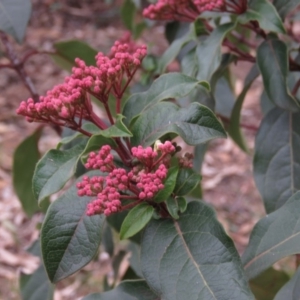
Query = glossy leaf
x=196 y=124
x=272 y=60
x=54 y=170
x=285 y=6
x=69 y=238
x=126 y=290
x=265 y=13
x=234 y=128
x=117 y=130
x=209 y=52
x=36 y=286
x=136 y=220
x=169 y=185
x=291 y=290
x=25 y=158
x=277 y=158
x=182 y=204
x=267 y=284
x=173 y=50
x=171 y=85
x=67 y=51
x=14 y=16
x=172 y=207
x=274 y=237
x=192 y=258
x=187 y=180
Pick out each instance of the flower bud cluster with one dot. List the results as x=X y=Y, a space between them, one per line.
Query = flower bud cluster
x=70 y=101
x=142 y=182
x=186 y=161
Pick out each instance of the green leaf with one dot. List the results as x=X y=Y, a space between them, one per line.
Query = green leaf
x=265 y=103
x=107 y=239
x=291 y=290
x=171 y=85
x=192 y=258
x=265 y=13
x=172 y=207
x=209 y=52
x=272 y=60
x=126 y=290
x=54 y=170
x=69 y=238
x=128 y=11
x=266 y=285
x=187 y=180
x=277 y=158
x=234 y=128
x=14 y=16
x=173 y=50
x=67 y=51
x=196 y=124
x=285 y=6
x=25 y=158
x=136 y=220
x=36 y=286
x=182 y=204
x=274 y=237
x=169 y=185
x=117 y=130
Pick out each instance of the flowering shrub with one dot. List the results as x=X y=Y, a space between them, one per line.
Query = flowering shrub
x=126 y=171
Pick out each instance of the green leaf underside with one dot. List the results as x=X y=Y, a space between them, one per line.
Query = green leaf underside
x=67 y=51
x=53 y=171
x=69 y=238
x=234 y=129
x=136 y=220
x=272 y=60
x=187 y=180
x=25 y=158
x=171 y=85
x=209 y=52
x=14 y=16
x=285 y=6
x=192 y=258
x=274 y=237
x=36 y=286
x=265 y=13
x=277 y=159
x=169 y=185
x=291 y=290
x=195 y=124
x=267 y=284
x=126 y=290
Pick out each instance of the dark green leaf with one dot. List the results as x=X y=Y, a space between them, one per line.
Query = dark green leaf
x=107 y=239
x=284 y=7
x=182 y=204
x=54 y=170
x=35 y=248
x=128 y=11
x=126 y=290
x=171 y=85
x=169 y=185
x=265 y=103
x=277 y=158
x=192 y=258
x=67 y=51
x=25 y=158
x=135 y=258
x=291 y=290
x=117 y=130
x=137 y=218
x=187 y=180
x=209 y=52
x=196 y=124
x=172 y=207
x=234 y=128
x=14 y=16
x=69 y=238
x=266 y=285
x=265 y=13
x=36 y=286
x=173 y=50
x=272 y=60
x=274 y=237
